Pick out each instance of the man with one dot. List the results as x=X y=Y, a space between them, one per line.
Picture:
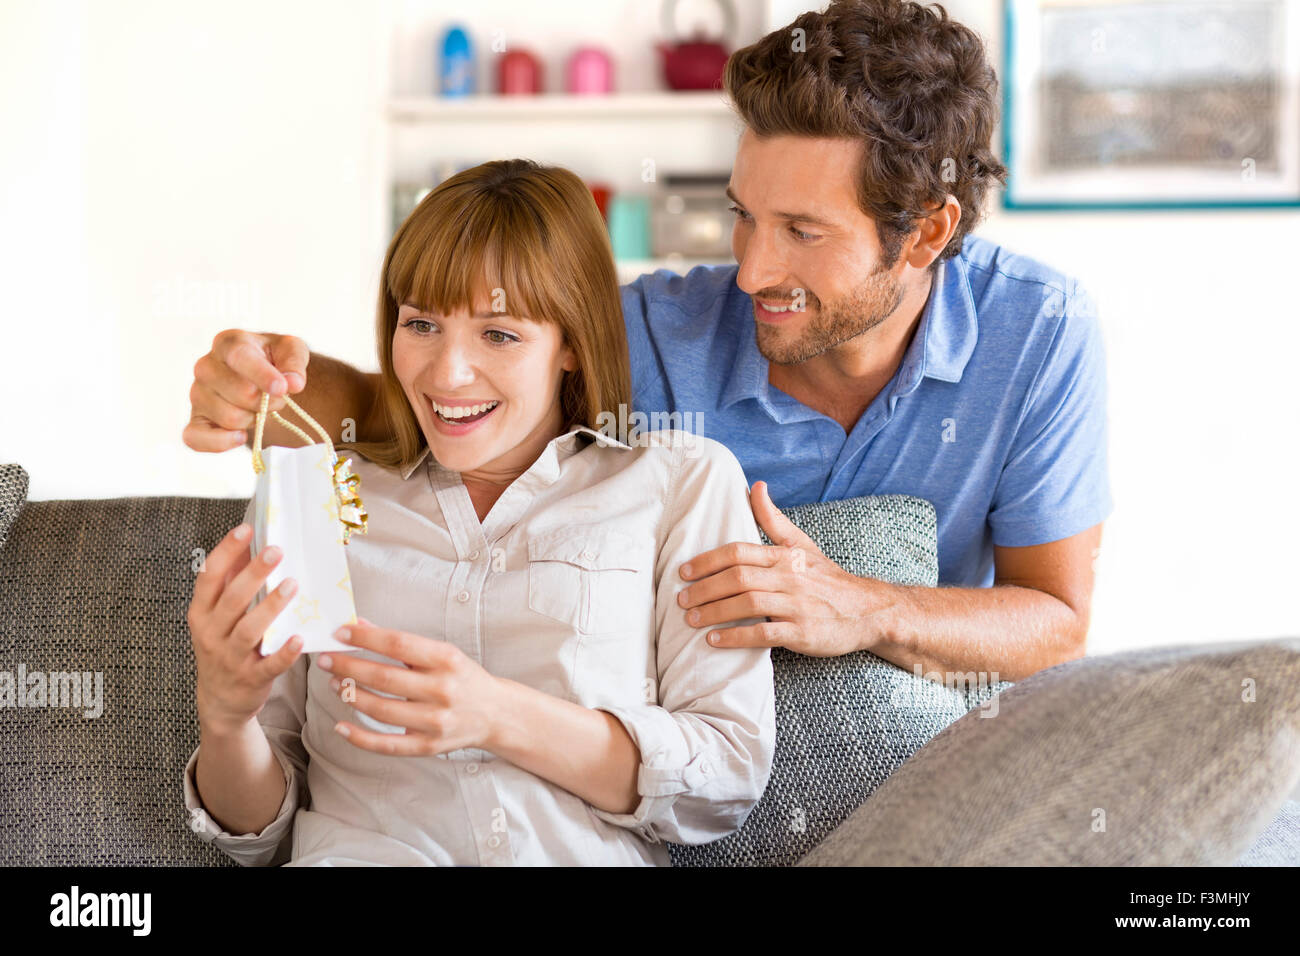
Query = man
x=864 y=344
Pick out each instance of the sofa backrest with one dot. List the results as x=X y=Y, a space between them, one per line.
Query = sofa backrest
x=103 y=586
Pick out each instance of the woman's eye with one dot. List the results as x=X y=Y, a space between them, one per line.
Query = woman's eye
x=414 y=323
x=504 y=337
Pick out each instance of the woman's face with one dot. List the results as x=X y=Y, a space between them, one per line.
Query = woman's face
x=485 y=386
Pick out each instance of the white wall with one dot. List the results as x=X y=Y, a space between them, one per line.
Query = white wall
x=169 y=170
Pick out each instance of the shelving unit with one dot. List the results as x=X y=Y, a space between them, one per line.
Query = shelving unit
x=547 y=107
x=606 y=139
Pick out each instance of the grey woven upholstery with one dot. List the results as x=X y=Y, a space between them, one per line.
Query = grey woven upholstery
x=103 y=585
x=844 y=724
x=1173 y=756
x=13 y=492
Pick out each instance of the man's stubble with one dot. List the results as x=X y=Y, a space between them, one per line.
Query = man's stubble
x=831 y=323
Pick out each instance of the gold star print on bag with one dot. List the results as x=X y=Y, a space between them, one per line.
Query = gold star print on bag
x=307 y=503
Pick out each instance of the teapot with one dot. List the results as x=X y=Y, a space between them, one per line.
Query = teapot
x=695 y=64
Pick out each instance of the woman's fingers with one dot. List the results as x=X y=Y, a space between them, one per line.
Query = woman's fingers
x=247 y=357
x=218 y=566
x=248 y=632
x=229 y=382
x=244 y=587
x=201 y=435
x=273 y=665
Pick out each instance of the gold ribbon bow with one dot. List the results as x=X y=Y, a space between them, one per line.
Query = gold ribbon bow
x=352 y=513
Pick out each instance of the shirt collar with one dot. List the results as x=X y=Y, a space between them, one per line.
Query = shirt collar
x=940 y=349
x=550 y=457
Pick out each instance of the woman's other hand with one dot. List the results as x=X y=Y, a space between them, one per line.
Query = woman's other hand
x=229 y=382
x=234 y=679
x=450 y=701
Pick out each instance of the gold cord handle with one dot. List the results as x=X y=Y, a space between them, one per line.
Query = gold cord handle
x=352 y=512
x=261 y=422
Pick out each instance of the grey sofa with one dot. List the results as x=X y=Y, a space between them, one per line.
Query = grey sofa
x=101 y=587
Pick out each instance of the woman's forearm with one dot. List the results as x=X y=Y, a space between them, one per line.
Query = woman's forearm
x=239 y=779
x=587 y=752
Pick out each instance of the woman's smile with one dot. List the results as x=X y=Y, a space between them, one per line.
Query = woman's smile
x=459 y=418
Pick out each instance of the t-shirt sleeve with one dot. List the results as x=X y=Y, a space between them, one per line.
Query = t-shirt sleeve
x=1056 y=482
x=649 y=383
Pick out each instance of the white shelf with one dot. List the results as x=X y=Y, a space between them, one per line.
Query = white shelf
x=549 y=106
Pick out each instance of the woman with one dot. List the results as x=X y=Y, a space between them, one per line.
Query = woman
x=535 y=694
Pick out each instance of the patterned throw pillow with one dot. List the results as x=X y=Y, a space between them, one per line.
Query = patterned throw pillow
x=844 y=724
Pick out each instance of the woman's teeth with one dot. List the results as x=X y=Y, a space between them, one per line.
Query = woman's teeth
x=458 y=414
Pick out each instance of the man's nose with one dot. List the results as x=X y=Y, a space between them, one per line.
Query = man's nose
x=762 y=266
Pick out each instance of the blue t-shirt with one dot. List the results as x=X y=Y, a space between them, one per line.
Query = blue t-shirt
x=996 y=415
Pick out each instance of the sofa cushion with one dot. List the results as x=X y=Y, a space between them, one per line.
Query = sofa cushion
x=103 y=586
x=1176 y=756
x=13 y=492
x=844 y=724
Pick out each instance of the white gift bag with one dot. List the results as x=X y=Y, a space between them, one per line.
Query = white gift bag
x=307 y=504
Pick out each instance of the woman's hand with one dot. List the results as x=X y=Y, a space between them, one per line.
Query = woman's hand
x=234 y=679
x=450 y=701
x=229 y=382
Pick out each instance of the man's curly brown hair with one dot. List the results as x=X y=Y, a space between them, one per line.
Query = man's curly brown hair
x=905 y=80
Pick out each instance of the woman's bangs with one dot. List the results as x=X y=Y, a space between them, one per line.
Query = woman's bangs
x=444 y=268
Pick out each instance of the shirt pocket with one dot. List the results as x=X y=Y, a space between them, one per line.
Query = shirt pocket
x=588 y=578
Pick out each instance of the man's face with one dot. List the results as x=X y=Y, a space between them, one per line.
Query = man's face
x=809 y=257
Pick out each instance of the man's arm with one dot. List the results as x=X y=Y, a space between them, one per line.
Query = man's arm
x=1035 y=616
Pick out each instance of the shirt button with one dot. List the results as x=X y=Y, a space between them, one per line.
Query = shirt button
x=471 y=768
x=588 y=555
x=706 y=768
x=462 y=597
x=494 y=841
x=473 y=555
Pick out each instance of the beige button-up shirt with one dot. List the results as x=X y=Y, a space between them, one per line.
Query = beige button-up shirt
x=569 y=585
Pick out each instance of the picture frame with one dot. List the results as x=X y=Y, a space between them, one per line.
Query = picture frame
x=1150 y=104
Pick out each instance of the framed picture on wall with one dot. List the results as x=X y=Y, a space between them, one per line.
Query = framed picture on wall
x=1151 y=103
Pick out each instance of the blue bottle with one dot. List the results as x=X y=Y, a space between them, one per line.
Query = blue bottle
x=457 y=77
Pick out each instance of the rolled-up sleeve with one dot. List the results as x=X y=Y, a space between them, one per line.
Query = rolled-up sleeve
x=707 y=744
x=281 y=719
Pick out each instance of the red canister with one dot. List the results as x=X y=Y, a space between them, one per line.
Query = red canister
x=519 y=72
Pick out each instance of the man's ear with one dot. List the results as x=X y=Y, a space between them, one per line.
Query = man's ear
x=933 y=233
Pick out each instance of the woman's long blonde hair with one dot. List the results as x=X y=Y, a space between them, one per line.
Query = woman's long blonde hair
x=518 y=228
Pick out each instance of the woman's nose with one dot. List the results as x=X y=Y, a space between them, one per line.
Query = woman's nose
x=452 y=369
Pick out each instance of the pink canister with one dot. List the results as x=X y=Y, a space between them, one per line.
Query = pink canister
x=590 y=71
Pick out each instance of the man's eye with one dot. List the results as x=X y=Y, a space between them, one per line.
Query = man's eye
x=803 y=236
x=738 y=211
